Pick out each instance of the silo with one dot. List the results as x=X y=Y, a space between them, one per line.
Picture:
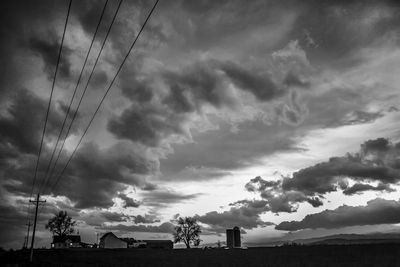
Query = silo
x=236 y=237
x=229 y=238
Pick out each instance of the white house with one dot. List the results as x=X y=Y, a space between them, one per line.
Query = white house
x=66 y=241
x=109 y=240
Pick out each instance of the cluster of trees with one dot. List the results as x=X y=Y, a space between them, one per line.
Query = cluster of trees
x=61 y=224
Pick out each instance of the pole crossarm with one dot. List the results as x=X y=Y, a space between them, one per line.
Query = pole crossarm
x=36 y=202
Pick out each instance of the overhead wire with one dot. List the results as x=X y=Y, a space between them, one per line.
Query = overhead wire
x=46 y=178
x=84 y=92
x=104 y=96
x=49 y=103
x=48 y=107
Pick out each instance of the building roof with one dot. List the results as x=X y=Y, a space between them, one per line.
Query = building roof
x=63 y=238
x=112 y=234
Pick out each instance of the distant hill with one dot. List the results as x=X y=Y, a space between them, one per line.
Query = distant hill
x=340 y=239
x=352 y=239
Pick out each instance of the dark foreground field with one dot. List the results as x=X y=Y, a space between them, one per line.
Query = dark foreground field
x=324 y=255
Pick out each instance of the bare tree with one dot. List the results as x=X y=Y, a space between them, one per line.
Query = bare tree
x=61 y=224
x=187 y=231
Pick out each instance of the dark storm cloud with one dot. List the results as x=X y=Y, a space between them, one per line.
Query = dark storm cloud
x=366 y=165
x=135 y=90
x=378 y=148
x=148 y=125
x=258 y=184
x=331 y=31
x=260 y=85
x=21 y=21
x=359 y=188
x=95 y=174
x=377 y=211
x=48 y=50
x=22 y=121
x=245 y=217
x=190 y=89
x=202 y=81
x=88 y=14
x=276 y=199
x=93 y=177
x=195 y=85
x=340 y=28
x=122 y=33
x=129 y=202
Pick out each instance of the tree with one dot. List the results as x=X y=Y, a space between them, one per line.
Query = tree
x=61 y=224
x=187 y=231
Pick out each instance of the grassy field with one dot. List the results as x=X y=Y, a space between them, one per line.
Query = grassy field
x=323 y=255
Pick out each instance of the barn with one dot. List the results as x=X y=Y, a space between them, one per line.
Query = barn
x=109 y=240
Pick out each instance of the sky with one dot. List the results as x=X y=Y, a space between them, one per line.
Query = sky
x=280 y=117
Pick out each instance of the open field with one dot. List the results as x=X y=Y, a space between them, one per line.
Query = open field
x=323 y=255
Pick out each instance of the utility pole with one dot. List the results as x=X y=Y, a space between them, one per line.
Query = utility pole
x=37 y=202
x=29 y=224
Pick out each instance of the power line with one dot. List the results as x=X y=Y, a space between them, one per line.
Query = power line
x=51 y=96
x=44 y=131
x=45 y=180
x=104 y=96
x=84 y=91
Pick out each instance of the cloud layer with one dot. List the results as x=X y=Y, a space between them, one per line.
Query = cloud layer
x=377 y=161
x=377 y=211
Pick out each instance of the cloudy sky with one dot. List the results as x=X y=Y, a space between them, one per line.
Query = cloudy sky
x=280 y=117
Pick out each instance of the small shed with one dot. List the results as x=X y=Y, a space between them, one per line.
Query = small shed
x=109 y=240
x=66 y=241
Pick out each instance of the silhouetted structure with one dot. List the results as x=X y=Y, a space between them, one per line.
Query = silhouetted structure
x=66 y=241
x=109 y=240
x=229 y=238
x=236 y=237
x=233 y=237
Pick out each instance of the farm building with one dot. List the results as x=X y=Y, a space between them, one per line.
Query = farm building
x=109 y=240
x=233 y=237
x=66 y=241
